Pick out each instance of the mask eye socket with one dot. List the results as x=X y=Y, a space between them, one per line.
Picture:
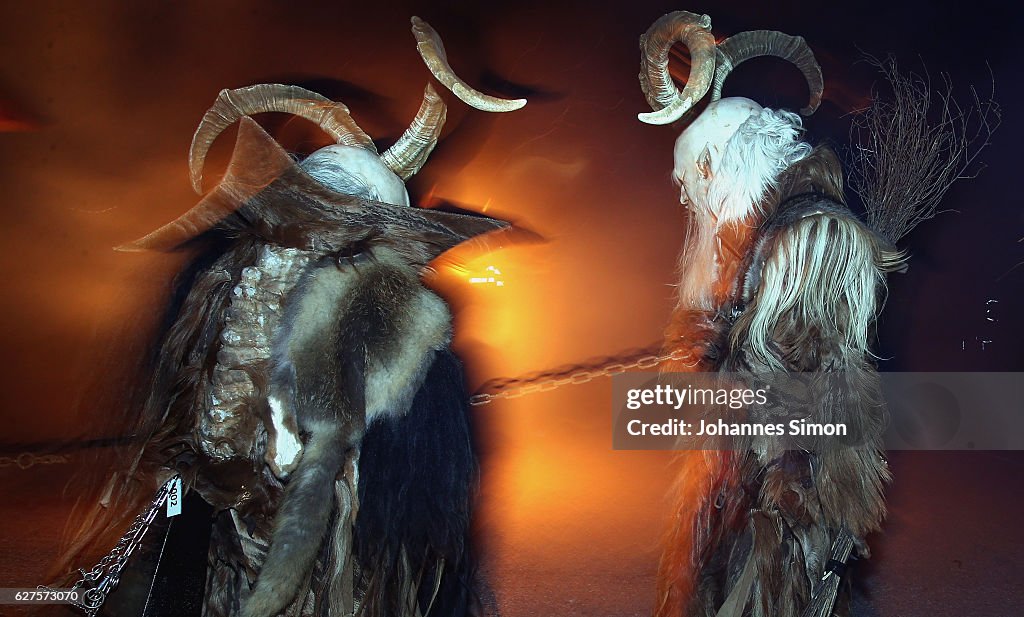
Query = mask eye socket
x=352 y=251
x=353 y=254
x=356 y=252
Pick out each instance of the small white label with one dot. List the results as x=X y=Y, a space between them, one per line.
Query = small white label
x=174 y=498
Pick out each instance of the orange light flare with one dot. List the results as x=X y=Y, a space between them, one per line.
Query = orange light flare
x=526 y=305
x=489 y=292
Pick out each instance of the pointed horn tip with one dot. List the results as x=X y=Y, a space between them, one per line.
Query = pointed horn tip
x=654 y=117
x=131 y=247
x=153 y=243
x=498 y=105
x=484 y=102
x=669 y=114
x=421 y=28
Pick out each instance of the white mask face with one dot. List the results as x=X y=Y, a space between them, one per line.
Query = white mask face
x=699 y=149
x=360 y=164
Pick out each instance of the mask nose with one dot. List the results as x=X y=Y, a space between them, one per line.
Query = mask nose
x=683 y=197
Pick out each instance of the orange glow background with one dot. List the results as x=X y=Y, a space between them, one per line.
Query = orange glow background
x=117 y=94
x=100 y=105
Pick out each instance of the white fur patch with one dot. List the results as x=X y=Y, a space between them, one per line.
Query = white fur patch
x=285 y=443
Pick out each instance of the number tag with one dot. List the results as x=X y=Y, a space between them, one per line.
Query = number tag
x=174 y=498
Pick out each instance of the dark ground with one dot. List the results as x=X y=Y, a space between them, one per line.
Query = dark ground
x=951 y=545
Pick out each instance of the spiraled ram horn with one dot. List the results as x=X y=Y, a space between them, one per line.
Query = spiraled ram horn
x=431 y=49
x=692 y=30
x=741 y=47
x=411 y=150
x=231 y=105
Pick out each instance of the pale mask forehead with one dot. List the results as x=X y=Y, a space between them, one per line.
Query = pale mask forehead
x=361 y=164
x=712 y=129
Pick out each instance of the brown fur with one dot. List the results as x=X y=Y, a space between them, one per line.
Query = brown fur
x=819 y=172
x=163 y=429
x=780 y=512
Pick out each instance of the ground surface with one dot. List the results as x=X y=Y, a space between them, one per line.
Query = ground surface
x=570 y=527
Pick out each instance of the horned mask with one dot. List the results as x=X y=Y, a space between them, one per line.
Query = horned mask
x=309 y=327
x=711 y=63
x=260 y=167
x=700 y=148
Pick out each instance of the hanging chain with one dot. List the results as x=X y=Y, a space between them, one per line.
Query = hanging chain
x=545 y=382
x=28 y=460
x=97 y=583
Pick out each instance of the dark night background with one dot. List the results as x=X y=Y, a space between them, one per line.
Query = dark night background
x=99 y=103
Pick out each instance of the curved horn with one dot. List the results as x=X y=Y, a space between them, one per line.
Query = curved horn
x=692 y=30
x=411 y=150
x=741 y=47
x=231 y=105
x=431 y=49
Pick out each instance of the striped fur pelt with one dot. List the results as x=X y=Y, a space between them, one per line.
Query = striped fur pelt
x=304 y=386
x=374 y=517
x=410 y=549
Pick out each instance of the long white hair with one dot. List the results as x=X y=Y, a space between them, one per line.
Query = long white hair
x=761 y=148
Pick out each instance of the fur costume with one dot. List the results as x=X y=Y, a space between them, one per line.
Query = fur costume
x=808 y=292
x=777 y=276
x=305 y=387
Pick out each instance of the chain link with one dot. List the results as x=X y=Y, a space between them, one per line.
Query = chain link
x=27 y=460
x=98 y=582
x=496 y=389
x=103 y=578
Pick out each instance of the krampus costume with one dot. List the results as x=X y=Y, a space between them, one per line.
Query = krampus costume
x=305 y=388
x=777 y=275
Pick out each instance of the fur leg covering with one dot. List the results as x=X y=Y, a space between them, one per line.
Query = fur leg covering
x=417 y=478
x=757 y=541
x=299 y=526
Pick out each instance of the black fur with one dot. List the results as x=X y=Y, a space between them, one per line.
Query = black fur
x=417 y=479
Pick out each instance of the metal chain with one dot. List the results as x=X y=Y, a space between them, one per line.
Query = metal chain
x=27 y=460
x=103 y=578
x=545 y=382
x=98 y=582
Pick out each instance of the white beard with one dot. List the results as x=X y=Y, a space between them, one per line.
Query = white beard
x=698 y=266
